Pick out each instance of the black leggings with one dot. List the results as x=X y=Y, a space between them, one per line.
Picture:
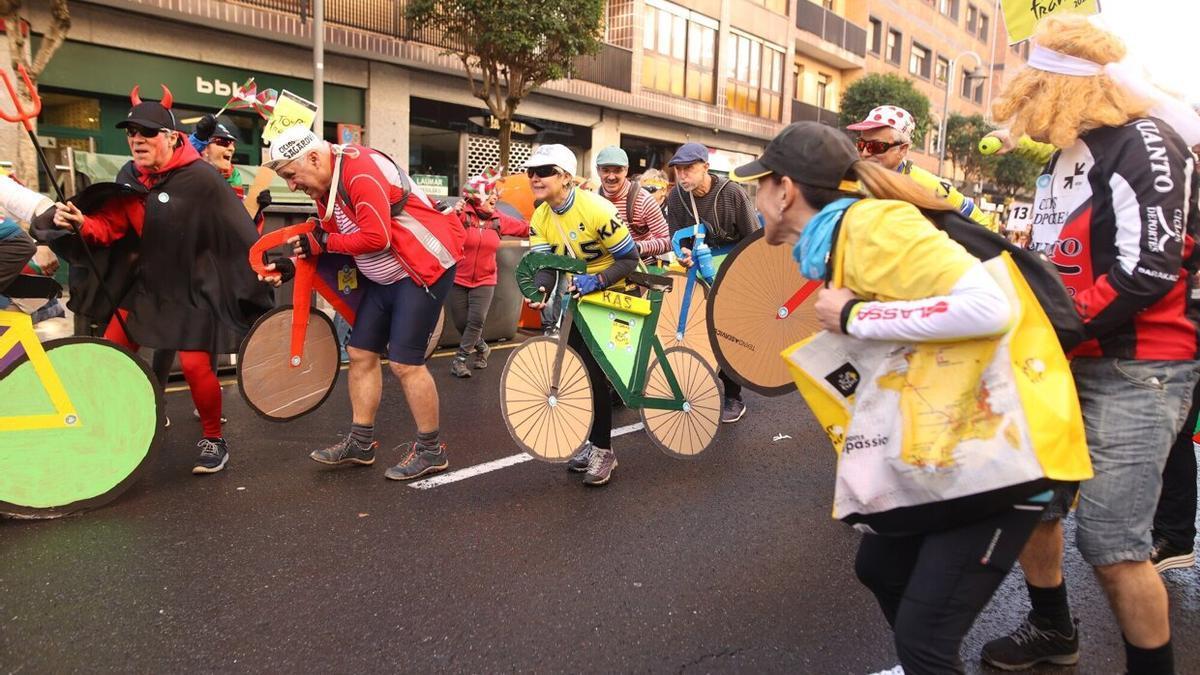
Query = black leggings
x=932 y=586
x=601 y=435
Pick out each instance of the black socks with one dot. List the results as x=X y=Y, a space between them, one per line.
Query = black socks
x=428 y=440
x=1157 y=661
x=1050 y=608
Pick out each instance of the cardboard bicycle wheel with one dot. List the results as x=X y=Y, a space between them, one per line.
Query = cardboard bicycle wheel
x=695 y=330
x=102 y=446
x=550 y=426
x=683 y=433
x=760 y=305
x=269 y=383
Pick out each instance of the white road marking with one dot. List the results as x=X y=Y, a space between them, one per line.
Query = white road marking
x=497 y=464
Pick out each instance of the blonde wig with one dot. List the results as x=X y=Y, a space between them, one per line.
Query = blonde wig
x=1057 y=109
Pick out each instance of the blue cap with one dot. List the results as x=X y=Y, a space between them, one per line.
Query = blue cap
x=689 y=153
x=612 y=156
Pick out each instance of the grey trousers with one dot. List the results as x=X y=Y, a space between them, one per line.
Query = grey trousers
x=468 y=310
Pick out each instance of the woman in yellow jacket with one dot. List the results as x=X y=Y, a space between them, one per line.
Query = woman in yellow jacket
x=901 y=279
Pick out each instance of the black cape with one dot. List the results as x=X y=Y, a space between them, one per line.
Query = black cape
x=186 y=282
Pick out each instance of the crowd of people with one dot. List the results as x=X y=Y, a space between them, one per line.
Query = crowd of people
x=1116 y=212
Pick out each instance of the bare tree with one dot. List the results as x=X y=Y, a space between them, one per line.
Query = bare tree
x=17 y=27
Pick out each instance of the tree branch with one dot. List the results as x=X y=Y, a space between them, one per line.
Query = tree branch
x=60 y=24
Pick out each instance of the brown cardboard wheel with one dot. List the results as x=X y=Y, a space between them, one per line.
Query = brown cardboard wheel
x=683 y=434
x=695 y=331
x=270 y=385
x=549 y=426
x=748 y=319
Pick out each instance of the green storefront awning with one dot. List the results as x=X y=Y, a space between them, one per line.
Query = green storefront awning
x=96 y=69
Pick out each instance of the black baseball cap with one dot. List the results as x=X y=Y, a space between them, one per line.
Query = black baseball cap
x=150 y=115
x=222 y=131
x=807 y=152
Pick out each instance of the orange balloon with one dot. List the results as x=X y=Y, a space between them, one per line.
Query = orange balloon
x=515 y=191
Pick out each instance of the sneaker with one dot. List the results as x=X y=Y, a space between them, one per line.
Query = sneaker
x=418 y=462
x=214 y=455
x=458 y=367
x=579 y=463
x=196 y=414
x=482 y=351
x=1167 y=557
x=1029 y=645
x=346 y=451
x=600 y=467
x=732 y=410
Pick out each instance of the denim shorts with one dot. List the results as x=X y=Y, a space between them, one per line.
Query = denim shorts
x=1132 y=410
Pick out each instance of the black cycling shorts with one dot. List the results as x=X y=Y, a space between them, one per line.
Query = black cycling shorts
x=397 y=319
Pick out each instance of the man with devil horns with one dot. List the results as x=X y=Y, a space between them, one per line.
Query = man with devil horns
x=192 y=290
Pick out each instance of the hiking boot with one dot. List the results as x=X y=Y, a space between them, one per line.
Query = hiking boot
x=1030 y=645
x=458 y=367
x=482 y=351
x=579 y=463
x=732 y=410
x=1167 y=557
x=418 y=461
x=214 y=455
x=600 y=467
x=346 y=451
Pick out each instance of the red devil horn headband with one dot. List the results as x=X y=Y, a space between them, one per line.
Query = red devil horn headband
x=166 y=102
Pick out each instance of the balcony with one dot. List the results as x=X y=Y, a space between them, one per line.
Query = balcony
x=804 y=112
x=611 y=67
x=828 y=36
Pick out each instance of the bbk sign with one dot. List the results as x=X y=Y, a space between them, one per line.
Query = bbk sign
x=215 y=87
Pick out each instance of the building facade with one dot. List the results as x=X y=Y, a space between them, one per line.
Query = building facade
x=726 y=73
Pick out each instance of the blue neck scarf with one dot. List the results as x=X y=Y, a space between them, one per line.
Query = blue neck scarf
x=812 y=251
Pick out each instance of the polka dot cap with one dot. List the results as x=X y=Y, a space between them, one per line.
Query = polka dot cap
x=887 y=116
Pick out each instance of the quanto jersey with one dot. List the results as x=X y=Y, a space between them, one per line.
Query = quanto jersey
x=1117 y=214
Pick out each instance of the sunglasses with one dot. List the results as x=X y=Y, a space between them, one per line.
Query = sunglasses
x=223 y=142
x=132 y=131
x=876 y=147
x=542 y=171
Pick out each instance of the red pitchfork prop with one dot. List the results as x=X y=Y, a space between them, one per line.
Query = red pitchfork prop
x=24 y=117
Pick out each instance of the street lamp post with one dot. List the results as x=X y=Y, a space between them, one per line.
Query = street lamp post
x=946 y=101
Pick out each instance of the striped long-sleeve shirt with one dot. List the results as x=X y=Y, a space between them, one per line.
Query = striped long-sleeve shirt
x=647 y=223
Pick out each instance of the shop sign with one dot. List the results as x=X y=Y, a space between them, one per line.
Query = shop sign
x=433 y=186
x=492 y=122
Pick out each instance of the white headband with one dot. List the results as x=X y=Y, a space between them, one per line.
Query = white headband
x=1042 y=58
x=1133 y=80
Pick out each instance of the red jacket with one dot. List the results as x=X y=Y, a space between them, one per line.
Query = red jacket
x=478 y=266
x=425 y=241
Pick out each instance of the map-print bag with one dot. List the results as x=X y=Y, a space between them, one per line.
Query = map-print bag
x=935 y=435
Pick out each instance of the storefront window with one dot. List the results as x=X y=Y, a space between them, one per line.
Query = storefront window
x=679 y=55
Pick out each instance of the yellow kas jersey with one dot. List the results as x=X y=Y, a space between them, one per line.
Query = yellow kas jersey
x=592 y=228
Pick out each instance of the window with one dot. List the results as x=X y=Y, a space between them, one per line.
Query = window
x=978 y=95
x=984 y=25
x=679 y=51
x=894 y=45
x=918 y=61
x=967 y=82
x=972 y=18
x=949 y=8
x=798 y=88
x=754 y=79
x=875 y=35
x=778 y=6
x=941 y=71
x=823 y=81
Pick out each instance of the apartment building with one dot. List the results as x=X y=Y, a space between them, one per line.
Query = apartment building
x=935 y=43
x=726 y=73
x=712 y=71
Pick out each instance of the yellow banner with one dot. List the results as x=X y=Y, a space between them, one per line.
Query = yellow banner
x=290 y=110
x=1021 y=16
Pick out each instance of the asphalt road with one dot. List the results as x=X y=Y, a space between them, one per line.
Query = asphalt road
x=729 y=562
